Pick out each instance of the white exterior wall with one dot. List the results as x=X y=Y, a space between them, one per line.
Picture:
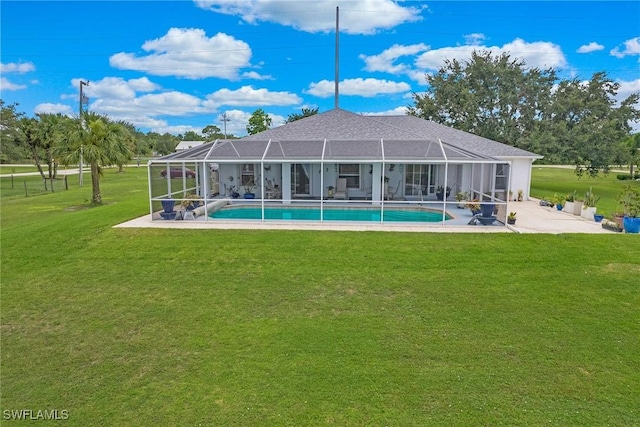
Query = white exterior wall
x=521 y=176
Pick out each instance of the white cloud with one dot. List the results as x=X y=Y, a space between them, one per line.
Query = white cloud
x=385 y=61
x=360 y=87
x=536 y=54
x=255 y=76
x=21 y=67
x=356 y=16
x=591 y=47
x=627 y=88
x=398 y=111
x=475 y=39
x=117 y=87
x=47 y=108
x=238 y=121
x=248 y=96
x=7 y=85
x=175 y=104
x=631 y=47
x=189 y=53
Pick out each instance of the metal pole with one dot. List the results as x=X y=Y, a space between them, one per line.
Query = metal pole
x=337 y=77
x=224 y=121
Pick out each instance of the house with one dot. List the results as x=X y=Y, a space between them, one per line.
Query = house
x=186 y=145
x=381 y=160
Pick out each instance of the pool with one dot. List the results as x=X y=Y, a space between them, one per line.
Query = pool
x=329 y=214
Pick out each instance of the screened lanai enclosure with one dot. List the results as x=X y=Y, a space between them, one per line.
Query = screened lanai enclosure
x=418 y=181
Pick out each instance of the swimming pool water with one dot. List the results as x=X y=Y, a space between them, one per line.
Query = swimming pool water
x=329 y=214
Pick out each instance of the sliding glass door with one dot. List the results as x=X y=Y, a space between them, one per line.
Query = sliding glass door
x=300 y=179
x=420 y=179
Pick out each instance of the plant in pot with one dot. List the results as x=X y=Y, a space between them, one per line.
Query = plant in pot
x=473 y=206
x=330 y=190
x=520 y=195
x=511 y=218
x=190 y=202
x=461 y=197
x=590 y=201
x=440 y=192
x=610 y=225
x=232 y=192
x=569 y=202
x=249 y=190
x=629 y=199
x=558 y=201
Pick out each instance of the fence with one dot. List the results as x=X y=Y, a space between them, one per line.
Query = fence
x=28 y=186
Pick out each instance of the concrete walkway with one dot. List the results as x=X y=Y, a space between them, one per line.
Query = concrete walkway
x=531 y=218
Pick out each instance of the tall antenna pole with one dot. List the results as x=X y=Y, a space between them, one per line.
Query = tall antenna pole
x=225 y=120
x=337 y=78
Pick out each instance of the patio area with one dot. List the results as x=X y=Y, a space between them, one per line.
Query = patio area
x=531 y=218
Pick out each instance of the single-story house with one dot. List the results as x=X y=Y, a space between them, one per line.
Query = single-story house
x=186 y=145
x=346 y=159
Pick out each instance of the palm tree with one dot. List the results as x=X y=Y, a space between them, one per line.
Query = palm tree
x=50 y=131
x=101 y=142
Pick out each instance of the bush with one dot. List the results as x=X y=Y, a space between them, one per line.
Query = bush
x=627 y=176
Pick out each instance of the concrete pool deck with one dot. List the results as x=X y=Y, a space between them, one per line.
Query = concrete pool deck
x=531 y=218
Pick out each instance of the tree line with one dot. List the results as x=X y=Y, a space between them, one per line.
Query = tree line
x=566 y=121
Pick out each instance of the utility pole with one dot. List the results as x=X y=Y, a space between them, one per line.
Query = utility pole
x=224 y=121
x=83 y=101
x=337 y=65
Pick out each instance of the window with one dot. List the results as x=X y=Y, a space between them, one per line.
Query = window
x=350 y=171
x=419 y=179
x=502 y=172
x=246 y=174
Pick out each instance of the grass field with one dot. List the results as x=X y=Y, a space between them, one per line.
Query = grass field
x=547 y=181
x=189 y=327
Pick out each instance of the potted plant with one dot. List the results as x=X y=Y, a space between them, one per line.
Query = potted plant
x=569 y=201
x=190 y=202
x=629 y=199
x=511 y=218
x=611 y=225
x=558 y=201
x=590 y=201
x=473 y=206
x=520 y=195
x=248 y=190
x=577 y=205
x=330 y=190
x=440 y=192
x=461 y=196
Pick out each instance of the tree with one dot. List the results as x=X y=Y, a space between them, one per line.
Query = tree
x=500 y=99
x=212 y=132
x=192 y=136
x=165 y=143
x=30 y=137
x=587 y=122
x=306 y=112
x=100 y=141
x=495 y=97
x=11 y=148
x=258 y=122
x=51 y=129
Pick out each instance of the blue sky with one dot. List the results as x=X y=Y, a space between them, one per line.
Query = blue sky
x=174 y=66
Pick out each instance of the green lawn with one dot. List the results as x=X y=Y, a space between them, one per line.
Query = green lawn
x=189 y=327
x=547 y=181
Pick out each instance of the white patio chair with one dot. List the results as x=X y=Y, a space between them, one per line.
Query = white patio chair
x=341 y=189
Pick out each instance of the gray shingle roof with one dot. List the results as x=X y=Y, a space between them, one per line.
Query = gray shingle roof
x=353 y=136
